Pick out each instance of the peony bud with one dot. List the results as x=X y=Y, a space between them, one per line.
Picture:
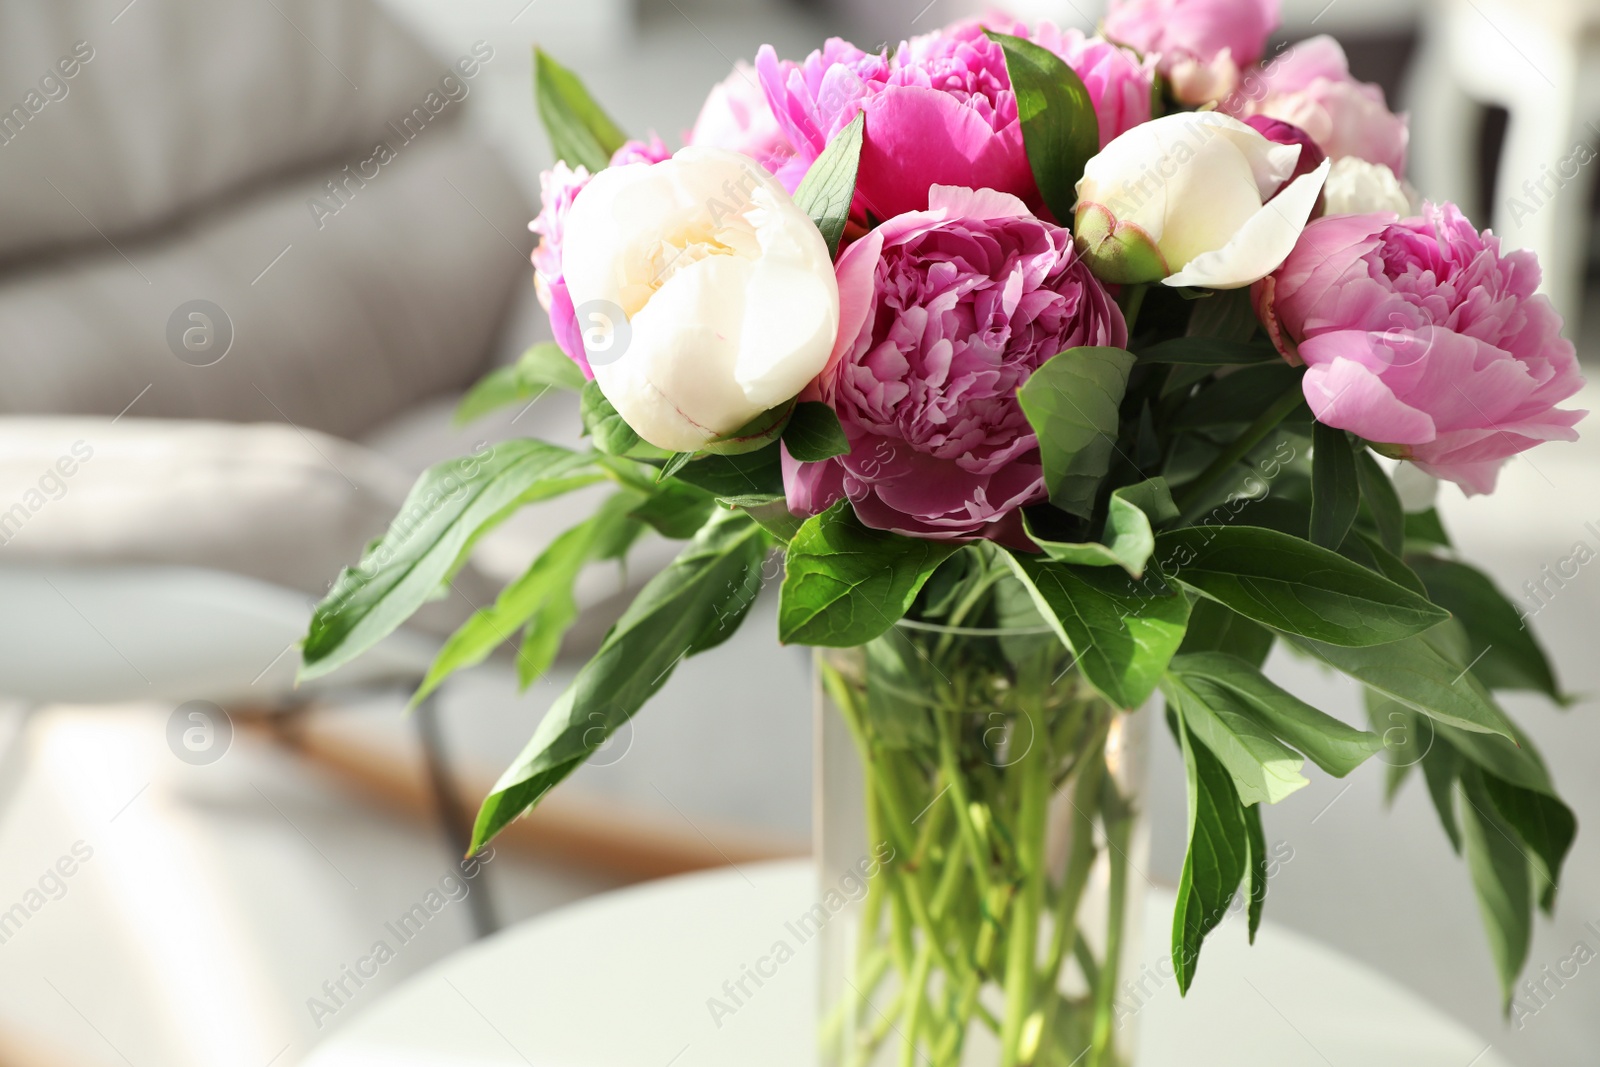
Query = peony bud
x=711 y=293
x=1192 y=199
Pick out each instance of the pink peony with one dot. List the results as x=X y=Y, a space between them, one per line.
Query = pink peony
x=1310 y=85
x=1201 y=45
x=736 y=116
x=944 y=313
x=942 y=111
x=558 y=188
x=1421 y=336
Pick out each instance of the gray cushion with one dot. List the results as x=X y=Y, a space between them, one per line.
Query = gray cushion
x=175 y=103
x=396 y=297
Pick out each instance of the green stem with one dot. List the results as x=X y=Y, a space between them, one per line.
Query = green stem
x=1135 y=302
x=1033 y=788
x=1193 y=499
x=1105 y=994
x=1080 y=861
x=961 y=799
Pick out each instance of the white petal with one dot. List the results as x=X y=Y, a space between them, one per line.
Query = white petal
x=1262 y=243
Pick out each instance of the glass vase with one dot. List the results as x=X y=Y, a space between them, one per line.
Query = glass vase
x=978 y=819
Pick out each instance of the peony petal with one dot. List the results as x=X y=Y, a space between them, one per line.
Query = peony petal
x=919 y=137
x=1261 y=244
x=1344 y=393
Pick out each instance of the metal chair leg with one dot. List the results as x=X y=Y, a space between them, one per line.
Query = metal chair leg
x=453 y=815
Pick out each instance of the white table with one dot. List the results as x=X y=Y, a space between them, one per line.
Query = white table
x=622 y=980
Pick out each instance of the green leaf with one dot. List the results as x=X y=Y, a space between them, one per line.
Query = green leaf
x=1368 y=551
x=829 y=187
x=693 y=605
x=1422 y=678
x=1071 y=402
x=676 y=510
x=1441 y=766
x=1208 y=352
x=1517 y=761
x=1217 y=856
x=1381 y=502
x=1263 y=769
x=1334 y=746
x=1122 y=636
x=450 y=507
x=1501 y=878
x=1225 y=315
x=580 y=133
x=746 y=479
x=1407 y=736
x=611 y=432
x=1214 y=628
x=845 y=583
x=814 y=433
x=1504 y=653
x=550 y=578
x=1426 y=528
x=774 y=517
x=1129 y=540
x=1256 y=873
x=1545 y=826
x=1059 y=129
x=1294 y=586
x=758 y=433
x=1237 y=398
x=1335 y=491
x=541 y=368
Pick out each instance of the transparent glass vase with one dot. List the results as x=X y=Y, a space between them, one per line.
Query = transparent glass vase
x=979 y=814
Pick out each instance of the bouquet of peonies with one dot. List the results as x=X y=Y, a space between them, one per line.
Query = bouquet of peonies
x=1059 y=369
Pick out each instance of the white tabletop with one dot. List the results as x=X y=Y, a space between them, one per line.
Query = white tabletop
x=623 y=980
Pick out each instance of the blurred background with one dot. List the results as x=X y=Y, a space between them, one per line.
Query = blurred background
x=232 y=332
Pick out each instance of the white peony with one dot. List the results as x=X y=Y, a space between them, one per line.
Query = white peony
x=1356 y=187
x=707 y=295
x=1192 y=199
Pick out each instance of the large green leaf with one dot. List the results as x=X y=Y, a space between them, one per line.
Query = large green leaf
x=693 y=605
x=1237 y=398
x=1208 y=352
x=541 y=368
x=1381 y=502
x=1336 y=492
x=450 y=507
x=1334 y=746
x=676 y=509
x=1071 y=402
x=1418 y=675
x=1257 y=872
x=580 y=132
x=1122 y=636
x=1128 y=538
x=829 y=187
x=845 y=583
x=748 y=479
x=1262 y=768
x=1217 y=856
x=548 y=580
x=1545 y=826
x=1215 y=628
x=1292 y=585
x=610 y=431
x=1502 y=879
x=1504 y=653
x=814 y=433
x=1059 y=129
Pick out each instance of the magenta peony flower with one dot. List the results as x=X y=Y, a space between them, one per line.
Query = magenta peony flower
x=1310 y=85
x=1201 y=45
x=944 y=313
x=942 y=112
x=558 y=188
x=736 y=116
x=1421 y=336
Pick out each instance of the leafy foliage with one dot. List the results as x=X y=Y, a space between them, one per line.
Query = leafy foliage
x=580 y=132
